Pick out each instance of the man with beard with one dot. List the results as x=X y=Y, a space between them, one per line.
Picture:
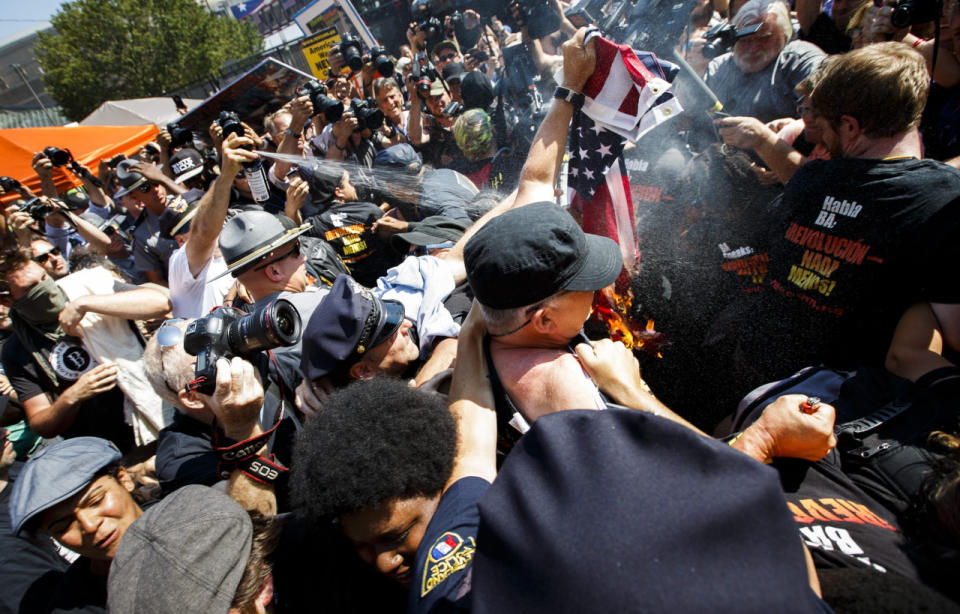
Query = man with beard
x=759 y=76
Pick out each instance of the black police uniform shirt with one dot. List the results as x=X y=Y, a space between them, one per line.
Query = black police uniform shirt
x=441 y=572
x=99 y=416
x=841 y=524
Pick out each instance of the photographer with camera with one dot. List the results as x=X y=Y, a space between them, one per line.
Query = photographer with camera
x=430 y=131
x=758 y=78
x=195 y=227
x=395 y=117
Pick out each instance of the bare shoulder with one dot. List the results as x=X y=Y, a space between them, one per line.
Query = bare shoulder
x=543 y=380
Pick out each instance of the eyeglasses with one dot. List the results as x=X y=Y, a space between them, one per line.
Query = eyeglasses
x=295 y=252
x=168 y=336
x=447 y=57
x=42 y=258
x=529 y=311
x=145 y=187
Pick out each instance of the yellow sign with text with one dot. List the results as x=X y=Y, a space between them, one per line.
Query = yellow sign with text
x=316 y=48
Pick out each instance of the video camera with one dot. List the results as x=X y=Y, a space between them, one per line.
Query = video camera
x=9 y=184
x=352 y=51
x=228 y=332
x=330 y=108
x=723 y=36
x=424 y=73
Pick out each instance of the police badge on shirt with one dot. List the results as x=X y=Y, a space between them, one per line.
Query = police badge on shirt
x=70 y=359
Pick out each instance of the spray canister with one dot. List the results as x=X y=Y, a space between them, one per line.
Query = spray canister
x=256 y=176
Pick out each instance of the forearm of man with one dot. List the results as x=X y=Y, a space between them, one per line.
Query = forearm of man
x=415 y=124
x=440 y=359
x=288 y=145
x=780 y=157
x=96 y=193
x=93 y=235
x=139 y=304
x=243 y=489
x=807 y=13
x=172 y=186
x=207 y=224
x=52 y=419
x=165 y=163
x=539 y=174
x=48 y=186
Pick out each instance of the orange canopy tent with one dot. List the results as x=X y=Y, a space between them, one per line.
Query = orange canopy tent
x=88 y=144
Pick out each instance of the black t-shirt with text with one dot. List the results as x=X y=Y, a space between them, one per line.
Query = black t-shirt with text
x=100 y=416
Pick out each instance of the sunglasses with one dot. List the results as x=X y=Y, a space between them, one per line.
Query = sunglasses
x=42 y=258
x=295 y=252
x=447 y=57
x=168 y=336
x=145 y=187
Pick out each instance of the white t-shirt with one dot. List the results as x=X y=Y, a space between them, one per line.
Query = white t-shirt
x=191 y=296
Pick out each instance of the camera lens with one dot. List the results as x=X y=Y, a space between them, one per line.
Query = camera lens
x=275 y=325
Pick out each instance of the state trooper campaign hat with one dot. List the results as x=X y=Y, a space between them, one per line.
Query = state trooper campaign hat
x=129 y=180
x=250 y=236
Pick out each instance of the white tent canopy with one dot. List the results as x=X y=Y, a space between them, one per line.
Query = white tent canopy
x=137 y=112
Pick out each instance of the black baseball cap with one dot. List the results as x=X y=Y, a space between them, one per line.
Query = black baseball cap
x=347 y=323
x=530 y=253
x=430 y=231
x=622 y=511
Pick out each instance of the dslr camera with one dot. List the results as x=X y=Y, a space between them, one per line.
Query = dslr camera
x=368 y=115
x=330 y=108
x=381 y=61
x=723 y=36
x=911 y=12
x=38 y=209
x=228 y=332
x=352 y=51
x=229 y=123
x=58 y=157
x=179 y=137
x=9 y=184
x=539 y=17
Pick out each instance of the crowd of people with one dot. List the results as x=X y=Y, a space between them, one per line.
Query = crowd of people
x=369 y=373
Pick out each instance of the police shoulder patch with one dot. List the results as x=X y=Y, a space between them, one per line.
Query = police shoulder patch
x=449 y=554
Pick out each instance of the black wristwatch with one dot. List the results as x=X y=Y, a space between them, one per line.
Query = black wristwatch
x=574 y=98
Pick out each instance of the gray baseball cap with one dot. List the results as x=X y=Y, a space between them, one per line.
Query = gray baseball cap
x=57 y=473
x=184 y=555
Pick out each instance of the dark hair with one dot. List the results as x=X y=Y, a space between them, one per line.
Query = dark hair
x=13 y=260
x=374 y=441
